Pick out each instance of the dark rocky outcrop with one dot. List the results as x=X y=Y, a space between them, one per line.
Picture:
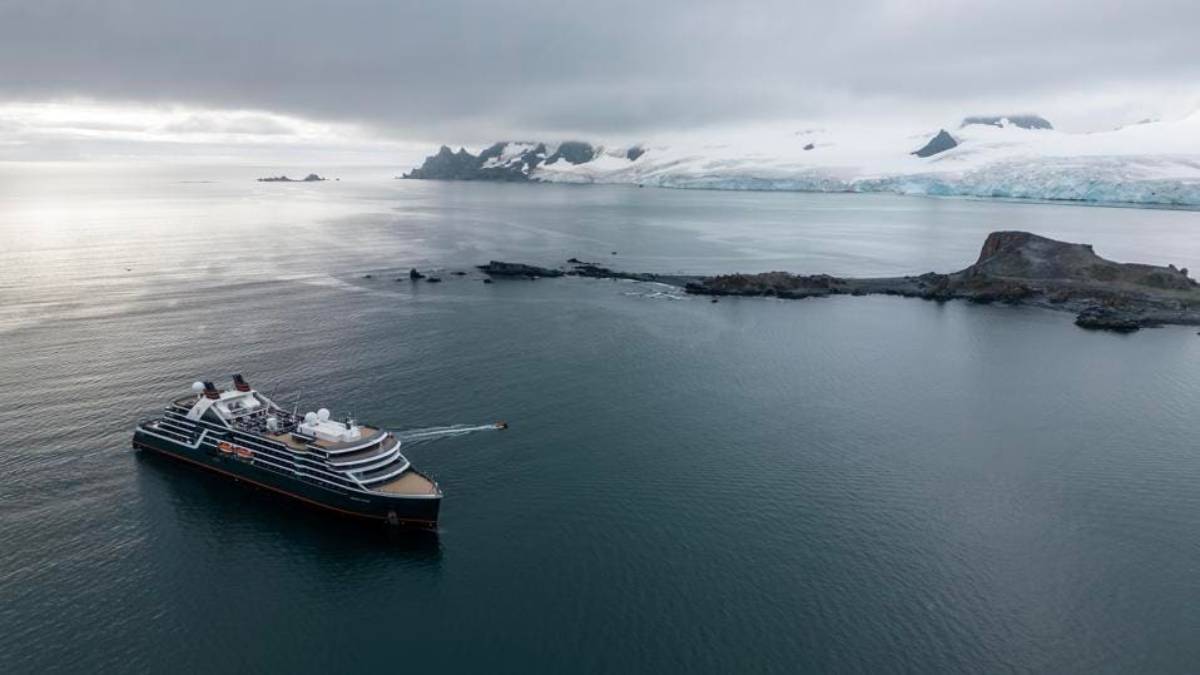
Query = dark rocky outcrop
x=501 y=269
x=1013 y=268
x=598 y=272
x=310 y=178
x=1022 y=121
x=941 y=142
x=497 y=268
x=1106 y=318
x=573 y=152
x=518 y=167
x=462 y=165
x=1016 y=268
x=414 y=274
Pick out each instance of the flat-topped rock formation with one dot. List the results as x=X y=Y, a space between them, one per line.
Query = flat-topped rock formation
x=1014 y=268
x=577 y=268
x=497 y=268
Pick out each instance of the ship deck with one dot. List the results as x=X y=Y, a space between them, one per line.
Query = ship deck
x=289 y=440
x=367 y=434
x=408 y=483
x=301 y=445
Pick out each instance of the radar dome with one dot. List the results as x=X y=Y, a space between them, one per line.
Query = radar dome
x=197 y=387
x=310 y=418
x=323 y=414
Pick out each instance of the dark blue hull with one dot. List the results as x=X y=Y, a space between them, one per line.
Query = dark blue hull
x=394 y=510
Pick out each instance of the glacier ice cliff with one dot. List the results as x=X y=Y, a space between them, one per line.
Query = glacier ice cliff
x=1155 y=163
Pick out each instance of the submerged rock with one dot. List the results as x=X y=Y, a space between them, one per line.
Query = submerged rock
x=597 y=272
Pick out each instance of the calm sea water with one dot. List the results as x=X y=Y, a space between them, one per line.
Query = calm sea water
x=850 y=484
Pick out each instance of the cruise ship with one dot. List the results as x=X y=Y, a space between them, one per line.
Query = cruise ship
x=344 y=466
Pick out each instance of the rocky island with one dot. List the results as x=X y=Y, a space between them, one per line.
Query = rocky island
x=310 y=178
x=1017 y=268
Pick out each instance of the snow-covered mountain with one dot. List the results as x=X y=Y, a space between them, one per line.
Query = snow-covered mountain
x=1149 y=163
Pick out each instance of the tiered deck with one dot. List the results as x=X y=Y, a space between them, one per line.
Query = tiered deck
x=299 y=444
x=408 y=483
x=288 y=440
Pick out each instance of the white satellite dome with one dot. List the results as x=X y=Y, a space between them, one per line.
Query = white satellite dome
x=310 y=418
x=197 y=387
x=323 y=414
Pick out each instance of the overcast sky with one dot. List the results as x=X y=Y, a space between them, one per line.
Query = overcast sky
x=460 y=71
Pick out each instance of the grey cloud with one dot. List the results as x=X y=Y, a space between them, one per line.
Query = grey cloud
x=260 y=125
x=468 y=70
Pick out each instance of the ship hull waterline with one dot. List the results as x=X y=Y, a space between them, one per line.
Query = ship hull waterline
x=401 y=511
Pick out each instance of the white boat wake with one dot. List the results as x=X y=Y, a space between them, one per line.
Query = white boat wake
x=413 y=436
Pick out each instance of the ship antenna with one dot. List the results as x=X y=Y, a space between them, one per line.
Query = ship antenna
x=275 y=388
x=296 y=405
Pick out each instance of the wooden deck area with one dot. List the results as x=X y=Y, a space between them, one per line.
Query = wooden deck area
x=408 y=483
x=296 y=444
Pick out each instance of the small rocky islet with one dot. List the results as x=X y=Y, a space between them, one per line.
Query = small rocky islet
x=310 y=178
x=1016 y=268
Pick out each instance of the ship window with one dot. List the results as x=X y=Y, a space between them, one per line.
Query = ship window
x=210 y=415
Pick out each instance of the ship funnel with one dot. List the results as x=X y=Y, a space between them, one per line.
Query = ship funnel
x=211 y=391
x=240 y=383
